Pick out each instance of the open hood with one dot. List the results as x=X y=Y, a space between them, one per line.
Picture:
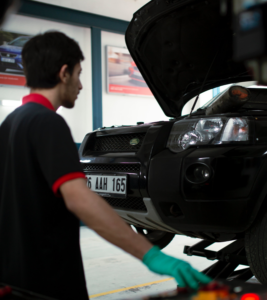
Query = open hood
x=175 y=42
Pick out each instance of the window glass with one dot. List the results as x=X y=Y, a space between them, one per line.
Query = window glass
x=203 y=99
x=19 y=42
x=208 y=97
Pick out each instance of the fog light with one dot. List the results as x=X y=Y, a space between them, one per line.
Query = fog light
x=198 y=173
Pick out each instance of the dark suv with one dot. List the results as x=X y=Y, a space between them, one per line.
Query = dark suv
x=201 y=175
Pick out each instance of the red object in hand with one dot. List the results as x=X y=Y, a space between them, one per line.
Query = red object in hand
x=214 y=286
x=182 y=290
x=4 y=291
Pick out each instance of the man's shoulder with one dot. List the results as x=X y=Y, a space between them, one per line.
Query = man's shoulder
x=39 y=118
x=40 y=113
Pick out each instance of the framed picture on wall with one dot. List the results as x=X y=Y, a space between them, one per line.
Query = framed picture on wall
x=123 y=76
x=11 y=69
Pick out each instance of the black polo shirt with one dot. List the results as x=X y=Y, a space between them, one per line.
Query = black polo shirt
x=39 y=237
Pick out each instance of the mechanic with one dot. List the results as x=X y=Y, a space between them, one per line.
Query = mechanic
x=43 y=191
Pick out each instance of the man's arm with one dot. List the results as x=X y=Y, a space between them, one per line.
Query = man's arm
x=93 y=211
x=99 y=216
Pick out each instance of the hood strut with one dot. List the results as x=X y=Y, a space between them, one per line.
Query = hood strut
x=204 y=81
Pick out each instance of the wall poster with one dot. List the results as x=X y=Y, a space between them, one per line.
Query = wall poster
x=123 y=76
x=11 y=69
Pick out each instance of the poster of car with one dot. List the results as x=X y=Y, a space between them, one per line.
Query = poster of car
x=11 y=69
x=123 y=74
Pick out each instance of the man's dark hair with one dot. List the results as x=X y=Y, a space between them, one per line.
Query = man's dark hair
x=45 y=54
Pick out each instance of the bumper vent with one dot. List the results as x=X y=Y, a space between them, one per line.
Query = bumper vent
x=112 y=167
x=116 y=143
x=132 y=203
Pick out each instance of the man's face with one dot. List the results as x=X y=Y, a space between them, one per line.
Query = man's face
x=72 y=87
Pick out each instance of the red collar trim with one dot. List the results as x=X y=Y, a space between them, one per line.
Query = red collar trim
x=37 y=98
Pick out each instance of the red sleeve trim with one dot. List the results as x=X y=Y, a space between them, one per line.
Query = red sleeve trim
x=64 y=179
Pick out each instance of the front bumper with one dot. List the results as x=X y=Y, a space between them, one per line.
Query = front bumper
x=221 y=208
x=148 y=220
x=160 y=197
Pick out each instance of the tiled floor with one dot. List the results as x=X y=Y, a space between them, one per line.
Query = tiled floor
x=108 y=269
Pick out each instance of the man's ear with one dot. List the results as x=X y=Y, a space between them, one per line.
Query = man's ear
x=64 y=74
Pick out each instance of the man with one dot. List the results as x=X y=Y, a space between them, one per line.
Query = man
x=43 y=192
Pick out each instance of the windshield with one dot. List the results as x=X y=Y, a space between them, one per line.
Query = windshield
x=207 y=98
x=211 y=101
x=250 y=84
x=19 y=42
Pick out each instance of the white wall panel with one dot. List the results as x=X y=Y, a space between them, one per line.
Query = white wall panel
x=118 y=9
x=121 y=109
x=80 y=117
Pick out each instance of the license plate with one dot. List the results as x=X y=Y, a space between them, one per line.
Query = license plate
x=9 y=60
x=108 y=186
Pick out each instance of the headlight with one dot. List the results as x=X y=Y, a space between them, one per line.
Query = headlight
x=236 y=129
x=190 y=132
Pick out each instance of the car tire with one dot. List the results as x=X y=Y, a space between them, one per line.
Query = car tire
x=256 y=249
x=156 y=237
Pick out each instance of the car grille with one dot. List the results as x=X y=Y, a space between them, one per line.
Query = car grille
x=8 y=55
x=117 y=142
x=132 y=203
x=112 y=167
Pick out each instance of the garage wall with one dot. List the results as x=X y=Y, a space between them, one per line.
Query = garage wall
x=118 y=9
x=94 y=33
x=80 y=117
x=123 y=109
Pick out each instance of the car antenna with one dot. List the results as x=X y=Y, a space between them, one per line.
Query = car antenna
x=204 y=81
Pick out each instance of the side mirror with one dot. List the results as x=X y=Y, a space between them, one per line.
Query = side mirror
x=5 y=43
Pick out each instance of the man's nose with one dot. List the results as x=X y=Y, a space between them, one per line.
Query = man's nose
x=80 y=85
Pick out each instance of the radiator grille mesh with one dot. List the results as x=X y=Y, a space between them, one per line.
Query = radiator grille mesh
x=118 y=142
x=112 y=167
x=9 y=55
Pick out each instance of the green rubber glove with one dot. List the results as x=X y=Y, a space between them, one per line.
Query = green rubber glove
x=185 y=275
